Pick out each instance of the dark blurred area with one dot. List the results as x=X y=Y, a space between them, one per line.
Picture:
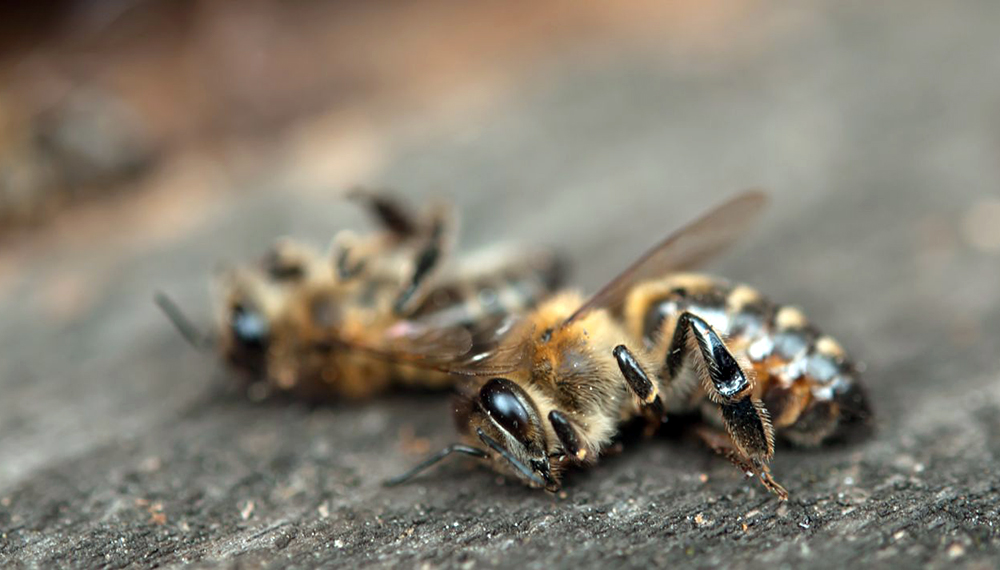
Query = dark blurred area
x=144 y=142
x=98 y=94
x=136 y=122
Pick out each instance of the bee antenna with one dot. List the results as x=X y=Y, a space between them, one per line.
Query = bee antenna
x=430 y=461
x=183 y=325
x=521 y=467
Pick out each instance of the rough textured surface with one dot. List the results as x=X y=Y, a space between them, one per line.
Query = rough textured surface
x=873 y=126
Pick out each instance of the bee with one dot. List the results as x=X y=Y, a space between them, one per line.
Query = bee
x=379 y=311
x=654 y=344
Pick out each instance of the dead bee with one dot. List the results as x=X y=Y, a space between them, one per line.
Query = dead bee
x=379 y=311
x=653 y=343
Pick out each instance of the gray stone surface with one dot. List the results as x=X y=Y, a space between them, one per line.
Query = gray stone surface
x=874 y=127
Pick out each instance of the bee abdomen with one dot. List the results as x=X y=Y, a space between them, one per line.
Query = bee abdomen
x=806 y=381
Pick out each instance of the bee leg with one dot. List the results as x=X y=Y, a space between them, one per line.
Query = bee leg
x=286 y=261
x=726 y=383
x=428 y=259
x=393 y=215
x=746 y=420
x=388 y=211
x=720 y=443
x=347 y=262
x=638 y=381
x=567 y=435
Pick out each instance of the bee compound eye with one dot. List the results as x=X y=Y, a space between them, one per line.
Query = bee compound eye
x=501 y=399
x=249 y=327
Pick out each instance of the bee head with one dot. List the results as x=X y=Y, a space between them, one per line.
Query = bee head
x=504 y=418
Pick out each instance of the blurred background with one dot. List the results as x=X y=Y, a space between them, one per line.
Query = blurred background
x=143 y=142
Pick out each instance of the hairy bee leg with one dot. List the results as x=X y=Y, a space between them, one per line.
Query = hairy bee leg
x=567 y=435
x=720 y=443
x=428 y=259
x=346 y=269
x=347 y=262
x=391 y=213
x=746 y=419
x=638 y=381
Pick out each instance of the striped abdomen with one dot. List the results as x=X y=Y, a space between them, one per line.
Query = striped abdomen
x=805 y=380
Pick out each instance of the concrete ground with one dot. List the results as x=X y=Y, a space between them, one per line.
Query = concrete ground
x=873 y=126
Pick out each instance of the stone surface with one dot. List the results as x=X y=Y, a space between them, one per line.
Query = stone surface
x=874 y=127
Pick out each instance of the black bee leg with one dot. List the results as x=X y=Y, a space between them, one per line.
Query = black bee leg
x=347 y=261
x=388 y=211
x=638 y=381
x=727 y=384
x=346 y=267
x=567 y=435
x=721 y=443
x=745 y=418
x=428 y=259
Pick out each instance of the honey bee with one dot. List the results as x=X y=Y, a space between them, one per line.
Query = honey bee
x=656 y=344
x=379 y=311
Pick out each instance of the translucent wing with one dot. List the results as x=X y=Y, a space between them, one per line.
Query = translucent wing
x=683 y=249
x=408 y=342
x=463 y=350
x=425 y=341
x=499 y=345
x=497 y=351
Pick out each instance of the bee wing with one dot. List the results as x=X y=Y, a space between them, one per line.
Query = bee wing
x=499 y=350
x=498 y=345
x=411 y=342
x=453 y=349
x=683 y=249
